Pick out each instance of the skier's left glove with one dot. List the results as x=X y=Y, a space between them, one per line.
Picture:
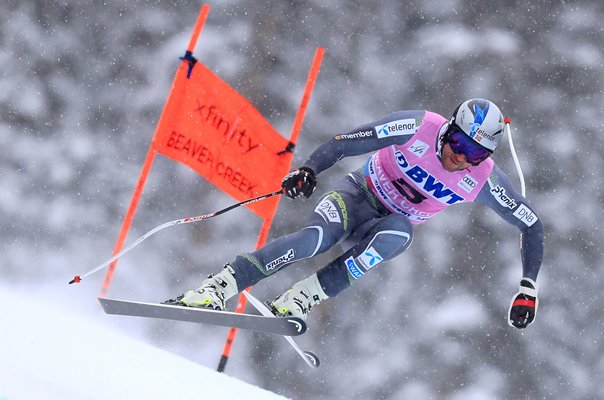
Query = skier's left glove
x=299 y=181
x=524 y=304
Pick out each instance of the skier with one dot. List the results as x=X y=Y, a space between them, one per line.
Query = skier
x=421 y=164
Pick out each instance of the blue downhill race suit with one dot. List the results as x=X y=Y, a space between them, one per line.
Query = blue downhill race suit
x=358 y=210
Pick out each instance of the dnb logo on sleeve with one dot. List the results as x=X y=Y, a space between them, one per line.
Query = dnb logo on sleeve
x=524 y=214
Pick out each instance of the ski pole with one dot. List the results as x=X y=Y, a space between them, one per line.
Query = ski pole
x=78 y=278
x=508 y=122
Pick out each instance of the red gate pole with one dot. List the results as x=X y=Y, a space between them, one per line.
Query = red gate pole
x=142 y=179
x=293 y=138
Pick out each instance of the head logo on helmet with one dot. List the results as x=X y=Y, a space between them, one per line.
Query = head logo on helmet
x=481 y=120
x=480 y=112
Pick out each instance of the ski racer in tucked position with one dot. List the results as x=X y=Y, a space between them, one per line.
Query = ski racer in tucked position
x=421 y=164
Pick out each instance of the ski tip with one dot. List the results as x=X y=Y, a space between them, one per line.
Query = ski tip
x=76 y=279
x=312 y=358
x=298 y=323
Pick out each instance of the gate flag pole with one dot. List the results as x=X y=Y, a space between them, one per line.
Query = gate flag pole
x=297 y=126
x=208 y=126
x=142 y=179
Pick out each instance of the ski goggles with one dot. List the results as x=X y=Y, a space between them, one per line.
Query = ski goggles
x=461 y=143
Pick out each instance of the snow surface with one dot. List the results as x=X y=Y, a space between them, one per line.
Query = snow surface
x=83 y=84
x=49 y=352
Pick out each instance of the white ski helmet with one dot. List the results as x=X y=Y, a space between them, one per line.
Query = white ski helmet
x=481 y=120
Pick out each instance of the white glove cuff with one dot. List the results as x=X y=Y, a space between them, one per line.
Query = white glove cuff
x=529 y=291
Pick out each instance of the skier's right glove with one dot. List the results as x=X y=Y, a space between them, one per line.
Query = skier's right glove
x=524 y=304
x=299 y=181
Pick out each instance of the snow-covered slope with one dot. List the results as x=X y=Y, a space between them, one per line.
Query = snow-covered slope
x=49 y=352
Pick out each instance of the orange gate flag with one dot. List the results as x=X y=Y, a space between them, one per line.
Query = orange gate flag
x=218 y=133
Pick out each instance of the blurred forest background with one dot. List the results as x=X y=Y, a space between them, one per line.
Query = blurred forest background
x=82 y=85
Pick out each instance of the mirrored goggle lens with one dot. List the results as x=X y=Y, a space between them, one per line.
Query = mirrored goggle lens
x=462 y=144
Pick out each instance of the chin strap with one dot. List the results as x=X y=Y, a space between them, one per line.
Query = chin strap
x=439 y=138
x=508 y=122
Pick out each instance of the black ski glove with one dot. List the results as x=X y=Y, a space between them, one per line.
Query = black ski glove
x=524 y=304
x=299 y=181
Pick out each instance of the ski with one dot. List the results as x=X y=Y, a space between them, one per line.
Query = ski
x=260 y=323
x=308 y=356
